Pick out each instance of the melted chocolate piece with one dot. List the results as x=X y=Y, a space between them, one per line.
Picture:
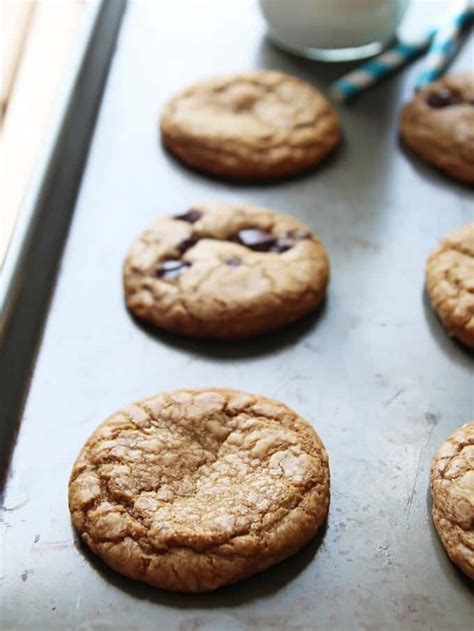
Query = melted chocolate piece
x=261 y=241
x=255 y=239
x=301 y=236
x=282 y=245
x=232 y=261
x=187 y=243
x=191 y=216
x=285 y=243
x=443 y=98
x=172 y=268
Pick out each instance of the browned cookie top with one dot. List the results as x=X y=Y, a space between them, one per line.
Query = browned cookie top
x=452 y=487
x=258 y=124
x=225 y=271
x=438 y=123
x=194 y=489
x=450 y=283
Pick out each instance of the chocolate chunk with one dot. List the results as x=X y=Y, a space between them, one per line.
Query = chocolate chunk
x=232 y=261
x=255 y=239
x=301 y=236
x=283 y=244
x=443 y=98
x=172 y=268
x=187 y=243
x=471 y=101
x=261 y=241
x=191 y=216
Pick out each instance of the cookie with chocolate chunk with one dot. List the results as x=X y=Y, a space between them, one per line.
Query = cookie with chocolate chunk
x=194 y=489
x=450 y=283
x=225 y=271
x=254 y=125
x=438 y=124
x=452 y=488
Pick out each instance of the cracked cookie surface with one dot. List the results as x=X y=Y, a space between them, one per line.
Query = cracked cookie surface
x=253 y=125
x=225 y=271
x=194 y=489
x=438 y=124
x=450 y=283
x=452 y=488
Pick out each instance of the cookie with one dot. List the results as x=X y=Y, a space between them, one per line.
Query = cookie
x=195 y=489
x=225 y=271
x=452 y=488
x=450 y=283
x=254 y=125
x=438 y=124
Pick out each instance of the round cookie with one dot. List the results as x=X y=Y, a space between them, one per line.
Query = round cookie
x=452 y=488
x=438 y=123
x=194 y=489
x=253 y=125
x=450 y=283
x=225 y=271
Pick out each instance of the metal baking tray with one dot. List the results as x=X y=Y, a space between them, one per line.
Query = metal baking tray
x=373 y=371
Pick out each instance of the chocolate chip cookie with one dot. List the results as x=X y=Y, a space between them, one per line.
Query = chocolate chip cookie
x=225 y=271
x=254 y=125
x=450 y=283
x=438 y=123
x=194 y=489
x=452 y=488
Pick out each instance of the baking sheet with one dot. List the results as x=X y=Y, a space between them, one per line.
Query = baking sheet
x=374 y=372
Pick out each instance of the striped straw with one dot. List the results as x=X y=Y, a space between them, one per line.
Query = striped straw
x=444 y=44
x=373 y=71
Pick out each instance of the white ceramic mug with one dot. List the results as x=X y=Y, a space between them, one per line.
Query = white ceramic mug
x=333 y=30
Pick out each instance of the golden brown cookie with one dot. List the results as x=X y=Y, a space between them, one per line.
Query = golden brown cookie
x=450 y=283
x=194 y=489
x=438 y=123
x=225 y=271
x=254 y=125
x=452 y=488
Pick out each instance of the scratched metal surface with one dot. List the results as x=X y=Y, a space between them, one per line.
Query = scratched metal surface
x=374 y=372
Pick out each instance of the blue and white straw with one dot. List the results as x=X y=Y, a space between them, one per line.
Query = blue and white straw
x=441 y=40
x=444 y=44
x=373 y=71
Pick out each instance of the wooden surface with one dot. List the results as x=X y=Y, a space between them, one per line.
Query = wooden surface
x=35 y=59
